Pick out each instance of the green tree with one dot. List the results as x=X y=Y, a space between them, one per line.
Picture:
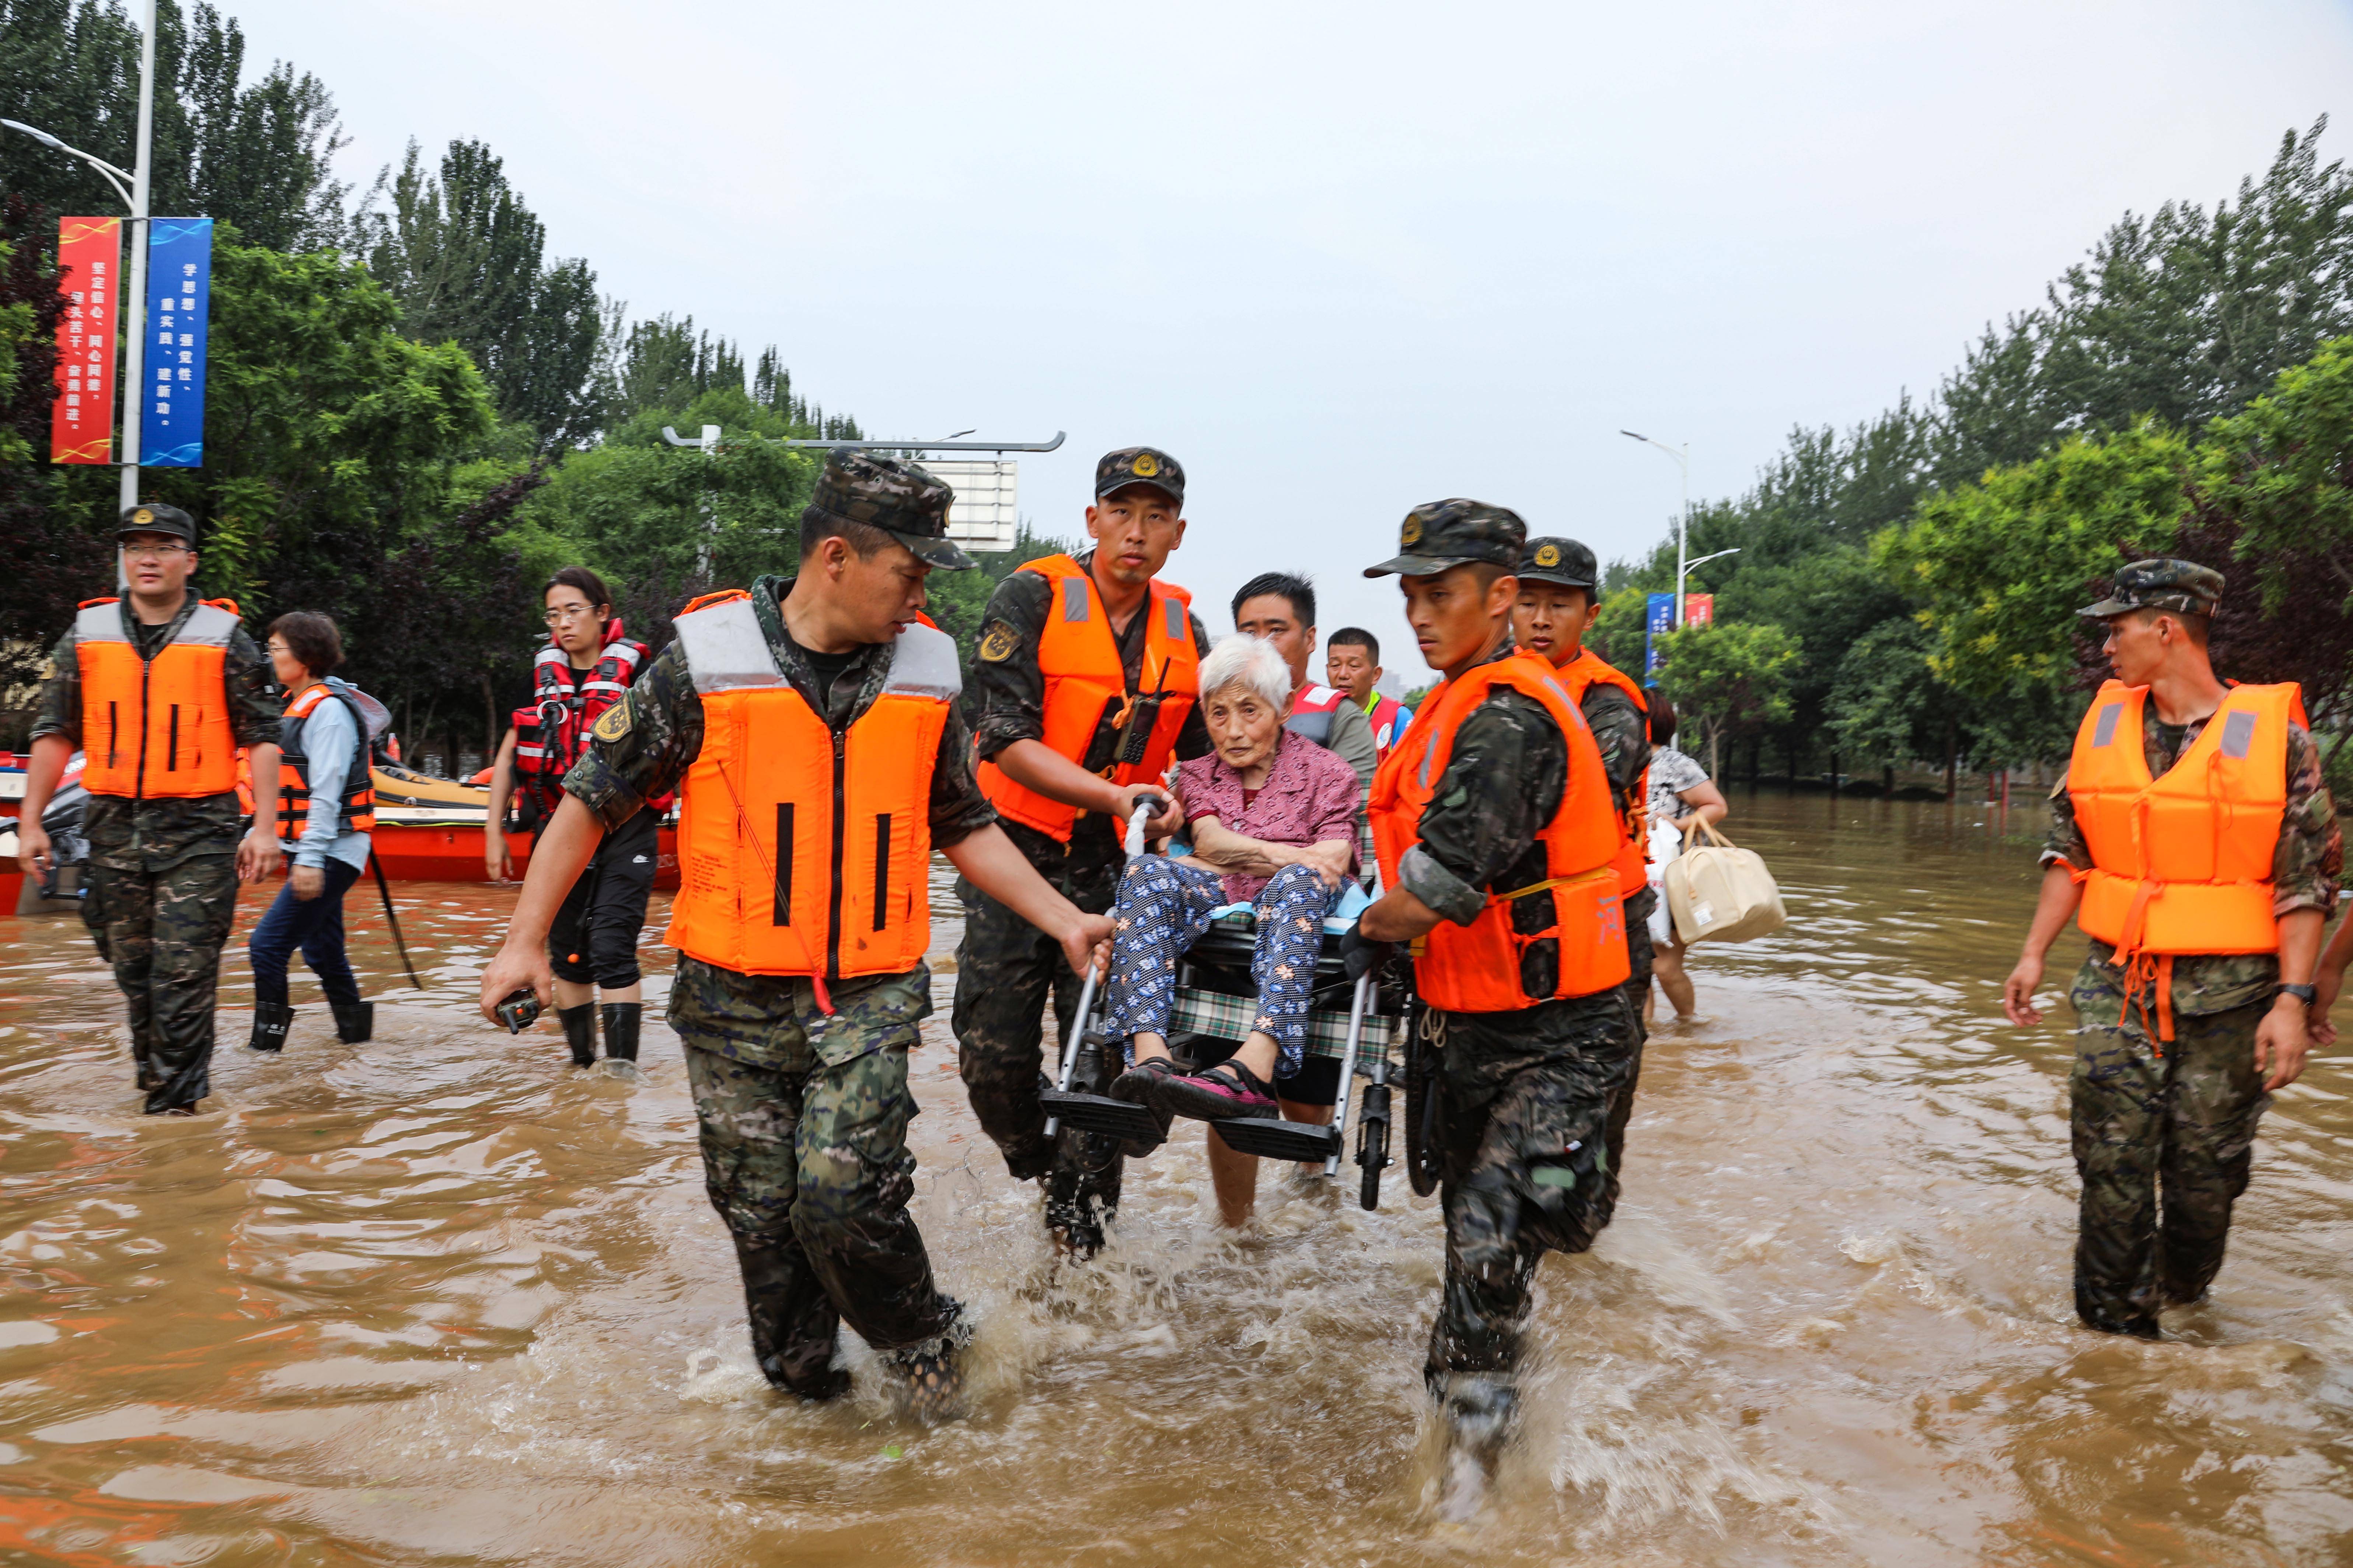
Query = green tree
x=464 y=256
x=1733 y=678
x=258 y=155
x=1618 y=632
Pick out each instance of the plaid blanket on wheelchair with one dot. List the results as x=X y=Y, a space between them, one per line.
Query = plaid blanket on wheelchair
x=1223 y=1018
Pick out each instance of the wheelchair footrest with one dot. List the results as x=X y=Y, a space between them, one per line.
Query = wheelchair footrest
x=1100 y=1113
x=1275 y=1139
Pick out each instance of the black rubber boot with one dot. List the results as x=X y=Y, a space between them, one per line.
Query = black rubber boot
x=580 y=1031
x=355 y=1023
x=621 y=1021
x=270 y=1021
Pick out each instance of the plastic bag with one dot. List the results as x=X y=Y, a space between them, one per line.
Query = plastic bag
x=1720 y=892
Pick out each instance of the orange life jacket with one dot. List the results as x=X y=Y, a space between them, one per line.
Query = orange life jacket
x=2182 y=863
x=1080 y=658
x=159 y=730
x=1476 y=968
x=356 y=809
x=1578 y=675
x=802 y=851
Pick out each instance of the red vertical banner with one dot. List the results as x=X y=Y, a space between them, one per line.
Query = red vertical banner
x=89 y=260
x=1699 y=609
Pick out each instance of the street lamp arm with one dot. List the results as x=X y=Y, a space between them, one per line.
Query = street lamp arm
x=113 y=175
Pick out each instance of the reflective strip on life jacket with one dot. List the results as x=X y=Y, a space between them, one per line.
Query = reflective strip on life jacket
x=355 y=811
x=2182 y=863
x=802 y=851
x=160 y=729
x=1477 y=968
x=550 y=735
x=1577 y=677
x=1084 y=680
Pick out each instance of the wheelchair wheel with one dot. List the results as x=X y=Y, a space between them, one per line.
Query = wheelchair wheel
x=1373 y=1157
x=1421 y=1115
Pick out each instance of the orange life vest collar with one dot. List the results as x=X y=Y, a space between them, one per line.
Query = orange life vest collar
x=803 y=850
x=1478 y=968
x=1085 y=680
x=159 y=729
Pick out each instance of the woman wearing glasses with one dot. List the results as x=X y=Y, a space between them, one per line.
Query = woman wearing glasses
x=592 y=946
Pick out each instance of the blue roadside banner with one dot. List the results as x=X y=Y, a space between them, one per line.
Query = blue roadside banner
x=179 y=307
x=1658 y=621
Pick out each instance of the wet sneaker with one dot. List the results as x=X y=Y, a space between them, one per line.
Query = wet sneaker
x=1216 y=1094
x=1136 y=1087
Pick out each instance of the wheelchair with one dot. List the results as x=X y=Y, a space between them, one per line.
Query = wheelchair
x=1362 y=1023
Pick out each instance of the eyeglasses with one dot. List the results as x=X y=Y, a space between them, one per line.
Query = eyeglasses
x=568 y=613
x=152 y=552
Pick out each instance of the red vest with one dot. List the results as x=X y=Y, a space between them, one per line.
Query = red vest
x=550 y=734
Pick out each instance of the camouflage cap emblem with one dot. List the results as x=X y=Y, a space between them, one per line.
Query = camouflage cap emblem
x=1411 y=534
x=1146 y=466
x=142 y=515
x=1548 y=556
x=1140 y=465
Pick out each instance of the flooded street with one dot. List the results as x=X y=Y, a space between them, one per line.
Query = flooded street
x=440 y=1298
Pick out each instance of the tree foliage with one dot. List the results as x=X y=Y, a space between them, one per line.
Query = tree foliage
x=1732 y=678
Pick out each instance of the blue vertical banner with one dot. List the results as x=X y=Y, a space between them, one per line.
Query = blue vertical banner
x=179 y=307
x=1658 y=621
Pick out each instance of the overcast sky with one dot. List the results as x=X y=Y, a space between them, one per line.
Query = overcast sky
x=1340 y=259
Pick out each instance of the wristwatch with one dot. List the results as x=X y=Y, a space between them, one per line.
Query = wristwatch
x=2306 y=994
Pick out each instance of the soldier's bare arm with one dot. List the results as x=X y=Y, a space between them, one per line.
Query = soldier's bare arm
x=2284 y=1037
x=990 y=862
x=2054 y=908
x=562 y=851
x=257 y=855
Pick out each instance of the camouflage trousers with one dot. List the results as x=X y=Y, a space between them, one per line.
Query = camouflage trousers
x=2164 y=1145
x=1007 y=972
x=1639 y=958
x=1525 y=1104
x=804 y=1123
x=163 y=933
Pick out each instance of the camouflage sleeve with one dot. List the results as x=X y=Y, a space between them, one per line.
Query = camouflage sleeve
x=1193 y=735
x=1503 y=782
x=2066 y=840
x=2311 y=853
x=958 y=809
x=255 y=703
x=1622 y=732
x=1005 y=694
x=60 y=710
x=643 y=744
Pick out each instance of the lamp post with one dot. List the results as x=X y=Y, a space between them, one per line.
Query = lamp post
x=1683 y=461
x=134 y=330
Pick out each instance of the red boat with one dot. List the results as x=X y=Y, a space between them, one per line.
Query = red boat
x=429 y=829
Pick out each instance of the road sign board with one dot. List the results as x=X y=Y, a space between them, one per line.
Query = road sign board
x=984 y=516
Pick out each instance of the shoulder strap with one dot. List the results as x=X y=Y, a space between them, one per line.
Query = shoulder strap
x=724 y=645
x=923 y=664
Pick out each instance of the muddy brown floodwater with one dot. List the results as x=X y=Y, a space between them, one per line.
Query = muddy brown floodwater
x=439 y=1298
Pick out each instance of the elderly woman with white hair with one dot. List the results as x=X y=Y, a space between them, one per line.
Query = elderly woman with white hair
x=1273 y=820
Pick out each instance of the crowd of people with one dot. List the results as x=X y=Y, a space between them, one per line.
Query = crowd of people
x=1499 y=850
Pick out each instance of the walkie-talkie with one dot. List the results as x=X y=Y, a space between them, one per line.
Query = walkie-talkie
x=519 y=1012
x=1135 y=740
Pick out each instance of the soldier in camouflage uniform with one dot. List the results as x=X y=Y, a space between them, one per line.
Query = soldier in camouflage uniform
x=1525 y=1095
x=2164 y=1126
x=1006 y=972
x=800 y=1079
x=160 y=885
x=1622 y=731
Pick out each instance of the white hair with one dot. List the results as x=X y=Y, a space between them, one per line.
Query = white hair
x=1251 y=663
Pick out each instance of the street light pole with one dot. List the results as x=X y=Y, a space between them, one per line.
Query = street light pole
x=134 y=326
x=1683 y=518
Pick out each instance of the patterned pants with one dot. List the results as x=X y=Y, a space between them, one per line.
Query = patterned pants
x=1163 y=906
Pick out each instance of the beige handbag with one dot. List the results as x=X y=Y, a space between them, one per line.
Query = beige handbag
x=1718 y=892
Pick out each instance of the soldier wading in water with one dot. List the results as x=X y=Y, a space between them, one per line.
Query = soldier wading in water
x=2194 y=836
x=1499 y=834
x=810 y=727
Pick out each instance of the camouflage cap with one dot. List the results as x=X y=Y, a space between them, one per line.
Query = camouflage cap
x=154 y=517
x=2182 y=586
x=1547 y=558
x=905 y=500
x=1140 y=465
x=1440 y=534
